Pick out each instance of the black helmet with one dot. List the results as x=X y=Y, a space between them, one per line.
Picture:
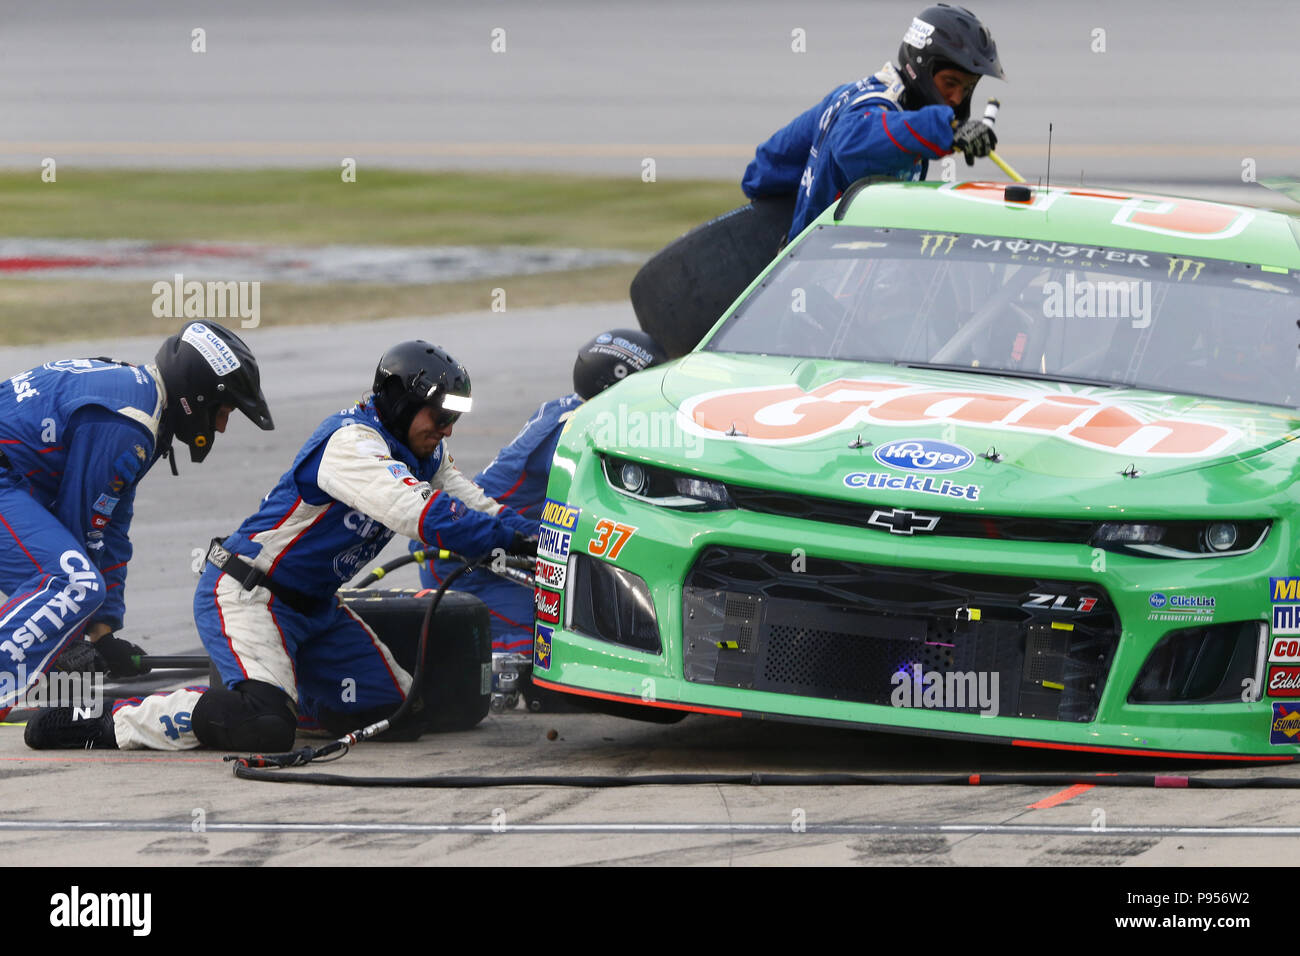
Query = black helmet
x=414 y=374
x=611 y=357
x=942 y=37
x=204 y=367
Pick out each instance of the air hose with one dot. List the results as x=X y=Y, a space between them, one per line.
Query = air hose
x=339 y=748
x=785 y=780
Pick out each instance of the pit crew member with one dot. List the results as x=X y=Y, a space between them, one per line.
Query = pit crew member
x=891 y=123
x=76 y=438
x=266 y=606
x=518 y=475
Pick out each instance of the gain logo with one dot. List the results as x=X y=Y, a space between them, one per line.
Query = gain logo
x=923 y=454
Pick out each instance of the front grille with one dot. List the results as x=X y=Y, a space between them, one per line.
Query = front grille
x=952 y=524
x=840 y=630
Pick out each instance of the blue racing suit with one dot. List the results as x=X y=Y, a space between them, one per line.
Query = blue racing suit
x=859 y=129
x=350 y=488
x=516 y=476
x=76 y=436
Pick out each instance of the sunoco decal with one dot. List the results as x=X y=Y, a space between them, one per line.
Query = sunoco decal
x=926 y=486
x=787 y=415
x=1286 y=724
x=1181 y=607
x=923 y=454
x=542 y=647
x=1284 y=681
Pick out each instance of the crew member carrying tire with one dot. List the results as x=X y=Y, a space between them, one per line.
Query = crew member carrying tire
x=266 y=606
x=891 y=123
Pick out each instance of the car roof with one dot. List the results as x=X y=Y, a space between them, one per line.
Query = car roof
x=1087 y=215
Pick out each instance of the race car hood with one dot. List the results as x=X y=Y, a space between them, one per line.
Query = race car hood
x=823 y=427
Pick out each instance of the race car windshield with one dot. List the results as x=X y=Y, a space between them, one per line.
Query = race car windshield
x=1032 y=308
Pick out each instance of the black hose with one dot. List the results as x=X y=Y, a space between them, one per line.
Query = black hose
x=306 y=755
x=786 y=780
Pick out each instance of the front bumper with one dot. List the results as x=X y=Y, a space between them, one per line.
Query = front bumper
x=845 y=626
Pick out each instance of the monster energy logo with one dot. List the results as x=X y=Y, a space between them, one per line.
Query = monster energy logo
x=1183 y=265
x=926 y=245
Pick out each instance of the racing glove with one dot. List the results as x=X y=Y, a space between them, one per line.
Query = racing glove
x=522 y=547
x=119 y=654
x=79 y=657
x=974 y=138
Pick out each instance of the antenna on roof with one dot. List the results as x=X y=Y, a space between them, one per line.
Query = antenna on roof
x=1049 y=157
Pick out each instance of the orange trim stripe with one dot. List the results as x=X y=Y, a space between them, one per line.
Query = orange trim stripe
x=1069 y=793
x=583 y=692
x=1137 y=752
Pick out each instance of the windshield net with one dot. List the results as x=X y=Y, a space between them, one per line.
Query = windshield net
x=1029 y=308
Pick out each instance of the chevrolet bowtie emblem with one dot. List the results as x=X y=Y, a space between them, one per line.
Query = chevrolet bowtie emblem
x=897 y=521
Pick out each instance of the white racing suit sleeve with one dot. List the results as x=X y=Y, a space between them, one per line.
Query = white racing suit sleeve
x=357 y=469
x=449 y=478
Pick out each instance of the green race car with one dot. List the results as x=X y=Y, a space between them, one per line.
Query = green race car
x=1012 y=464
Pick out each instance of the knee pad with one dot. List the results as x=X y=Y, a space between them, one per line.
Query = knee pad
x=253 y=716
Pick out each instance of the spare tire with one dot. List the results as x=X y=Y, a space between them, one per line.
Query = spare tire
x=458 y=670
x=683 y=290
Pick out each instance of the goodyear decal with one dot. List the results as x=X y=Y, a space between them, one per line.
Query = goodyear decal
x=1286 y=724
x=542 y=647
x=547 y=604
x=550 y=574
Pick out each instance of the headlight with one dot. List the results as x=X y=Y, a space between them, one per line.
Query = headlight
x=668 y=489
x=1182 y=539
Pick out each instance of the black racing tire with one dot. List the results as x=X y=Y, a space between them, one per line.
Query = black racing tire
x=682 y=291
x=458 y=672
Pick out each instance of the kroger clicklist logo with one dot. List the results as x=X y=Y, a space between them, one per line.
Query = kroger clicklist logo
x=1085 y=299
x=923 y=454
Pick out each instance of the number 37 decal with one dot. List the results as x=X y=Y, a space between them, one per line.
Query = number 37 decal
x=610 y=538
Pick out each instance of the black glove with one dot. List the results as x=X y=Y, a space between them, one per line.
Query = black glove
x=79 y=657
x=974 y=138
x=118 y=654
x=522 y=546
